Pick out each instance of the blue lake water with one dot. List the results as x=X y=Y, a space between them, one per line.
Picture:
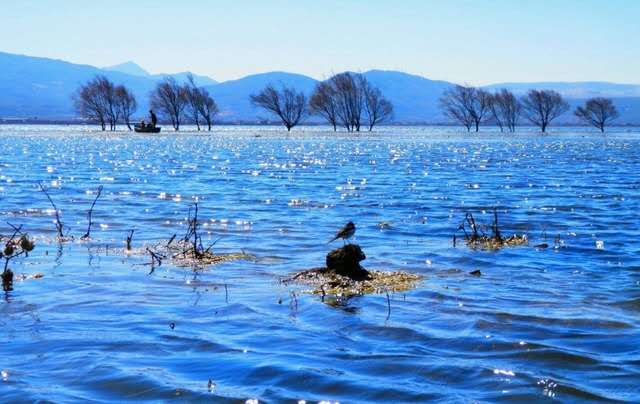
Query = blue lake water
x=557 y=323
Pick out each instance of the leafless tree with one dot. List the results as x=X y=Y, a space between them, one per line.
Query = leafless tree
x=541 y=107
x=469 y=106
x=505 y=109
x=350 y=99
x=102 y=101
x=286 y=103
x=90 y=103
x=200 y=103
x=194 y=99
x=207 y=107
x=108 y=92
x=456 y=104
x=170 y=99
x=126 y=103
x=323 y=103
x=597 y=112
x=378 y=108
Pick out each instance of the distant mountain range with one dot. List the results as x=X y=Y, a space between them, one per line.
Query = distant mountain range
x=41 y=88
x=133 y=69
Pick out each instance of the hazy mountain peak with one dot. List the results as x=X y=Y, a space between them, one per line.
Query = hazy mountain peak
x=129 y=67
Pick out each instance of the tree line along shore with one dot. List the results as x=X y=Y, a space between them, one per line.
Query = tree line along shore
x=345 y=101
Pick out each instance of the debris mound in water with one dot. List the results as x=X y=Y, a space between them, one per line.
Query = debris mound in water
x=476 y=238
x=344 y=276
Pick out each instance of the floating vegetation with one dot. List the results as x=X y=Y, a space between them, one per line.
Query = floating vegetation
x=327 y=282
x=476 y=238
x=344 y=277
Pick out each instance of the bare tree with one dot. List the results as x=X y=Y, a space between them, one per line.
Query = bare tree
x=126 y=103
x=102 y=101
x=378 y=108
x=200 y=103
x=323 y=103
x=107 y=91
x=456 y=104
x=207 y=107
x=287 y=104
x=541 y=107
x=349 y=97
x=90 y=103
x=194 y=99
x=467 y=105
x=505 y=109
x=597 y=112
x=170 y=99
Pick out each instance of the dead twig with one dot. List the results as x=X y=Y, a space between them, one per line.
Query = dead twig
x=129 y=238
x=90 y=213
x=59 y=225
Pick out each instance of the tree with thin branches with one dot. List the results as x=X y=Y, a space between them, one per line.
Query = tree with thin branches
x=597 y=112
x=126 y=104
x=505 y=109
x=541 y=107
x=170 y=99
x=289 y=105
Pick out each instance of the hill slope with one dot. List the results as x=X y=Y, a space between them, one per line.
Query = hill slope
x=33 y=87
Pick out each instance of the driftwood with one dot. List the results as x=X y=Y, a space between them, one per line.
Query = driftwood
x=87 y=235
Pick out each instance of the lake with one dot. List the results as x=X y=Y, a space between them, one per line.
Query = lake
x=561 y=322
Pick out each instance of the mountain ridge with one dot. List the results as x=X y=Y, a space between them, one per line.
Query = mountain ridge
x=36 y=87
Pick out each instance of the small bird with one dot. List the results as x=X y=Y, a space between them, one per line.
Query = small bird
x=346 y=232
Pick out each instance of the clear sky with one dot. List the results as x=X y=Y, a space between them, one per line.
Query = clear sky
x=471 y=41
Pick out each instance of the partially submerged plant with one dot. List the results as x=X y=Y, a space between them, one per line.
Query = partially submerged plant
x=15 y=246
x=475 y=236
x=186 y=251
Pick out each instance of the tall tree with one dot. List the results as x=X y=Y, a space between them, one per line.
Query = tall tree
x=102 y=101
x=286 y=103
x=108 y=92
x=349 y=96
x=170 y=99
x=541 y=107
x=90 y=104
x=505 y=109
x=597 y=112
x=126 y=104
x=323 y=103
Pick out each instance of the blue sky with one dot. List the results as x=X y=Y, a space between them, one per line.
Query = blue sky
x=477 y=42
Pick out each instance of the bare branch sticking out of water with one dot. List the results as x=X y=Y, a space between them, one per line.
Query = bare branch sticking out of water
x=87 y=235
x=59 y=225
x=476 y=238
x=129 y=239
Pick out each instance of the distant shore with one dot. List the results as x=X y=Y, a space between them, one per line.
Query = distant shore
x=35 y=121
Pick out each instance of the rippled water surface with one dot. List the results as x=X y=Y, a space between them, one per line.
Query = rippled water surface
x=560 y=323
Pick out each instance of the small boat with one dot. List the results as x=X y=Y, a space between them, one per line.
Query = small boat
x=147 y=129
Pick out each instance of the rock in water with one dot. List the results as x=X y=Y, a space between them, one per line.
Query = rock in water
x=345 y=261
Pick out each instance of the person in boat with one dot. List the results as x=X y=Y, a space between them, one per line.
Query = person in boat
x=154 y=119
x=142 y=124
